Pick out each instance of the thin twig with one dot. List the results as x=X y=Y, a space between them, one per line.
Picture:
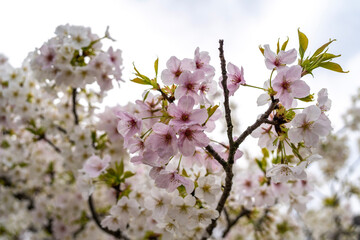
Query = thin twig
x=217 y=157
x=164 y=95
x=244 y=212
x=226 y=93
x=261 y=120
x=117 y=234
x=50 y=143
x=76 y=118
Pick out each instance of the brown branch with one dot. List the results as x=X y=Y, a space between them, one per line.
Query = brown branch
x=222 y=201
x=231 y=223
x=233 y=146
x=164 y=95
x=261 y=120
x=76 y=118
x=217 y=157
x=226 y=93
x=50 y=143
x=117 y=234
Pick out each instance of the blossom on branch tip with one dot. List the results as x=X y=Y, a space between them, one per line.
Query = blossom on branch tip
x=288 y=85
x=278 y=61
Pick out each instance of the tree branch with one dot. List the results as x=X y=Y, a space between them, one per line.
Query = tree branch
x=118 y=234
x=231 y=223
x=217 y=157
x=226 y=93
x=76 y=118
x=261 y=120
x=50 y=143
x=164 y=95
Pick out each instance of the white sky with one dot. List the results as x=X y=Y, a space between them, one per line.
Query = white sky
x=162 y=28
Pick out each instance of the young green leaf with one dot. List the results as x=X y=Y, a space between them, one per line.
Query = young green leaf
x=332 y=66
x=283 y=47
x=303 y=42
x=156 y=66
x=322 y=48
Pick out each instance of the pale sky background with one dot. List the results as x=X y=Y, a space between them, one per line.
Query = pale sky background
x=146 y=29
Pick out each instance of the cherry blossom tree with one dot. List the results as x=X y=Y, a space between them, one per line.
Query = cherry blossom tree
x=155 y=169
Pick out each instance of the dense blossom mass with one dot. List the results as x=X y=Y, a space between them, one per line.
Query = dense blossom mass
x=155 y=169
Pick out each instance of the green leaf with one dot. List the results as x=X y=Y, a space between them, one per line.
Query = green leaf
x=308 y=98
x=303 y=43
x=184 y=173
x=265 y=152
x=146 y=95
x=283 y=47
x=128 y=174
x=156 y=66
x=322 y=48
x=332 y=66
x=328 y=56
x=139 y=81
x=120 y=168
x=5 y=144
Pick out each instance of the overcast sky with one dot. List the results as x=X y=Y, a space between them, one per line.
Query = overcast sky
x=147 y=29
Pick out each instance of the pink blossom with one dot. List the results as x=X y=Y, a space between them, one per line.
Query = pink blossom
x=191 y=137
x=94 y=166
x=128 y=124
x=172 y=180
x=202 y=60
x=183 y=114
x=189 y=84
x=207 y=87
x=235 y=78
x=266 y=135
x=163 y=140
x=264 y=197
x=288 y=86
x=149 y=109
x=278 y=61
x=308 y=127
x=175 y=68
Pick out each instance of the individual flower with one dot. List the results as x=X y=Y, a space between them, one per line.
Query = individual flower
x=308 y=127
x=288 y=85
x=235 y=78
x=175 y=68
x=266 y=135
x=284 y=172
x=163 y=140
x=183 y=113
x=189 y=84
x=264 y=197
x=207 y=189
x=278 y=61
x=128 y=124
x=94 y=166
x=182 y=208
x=158 y=203
x=191 y=137
x=172 y=180
x=202 y=60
